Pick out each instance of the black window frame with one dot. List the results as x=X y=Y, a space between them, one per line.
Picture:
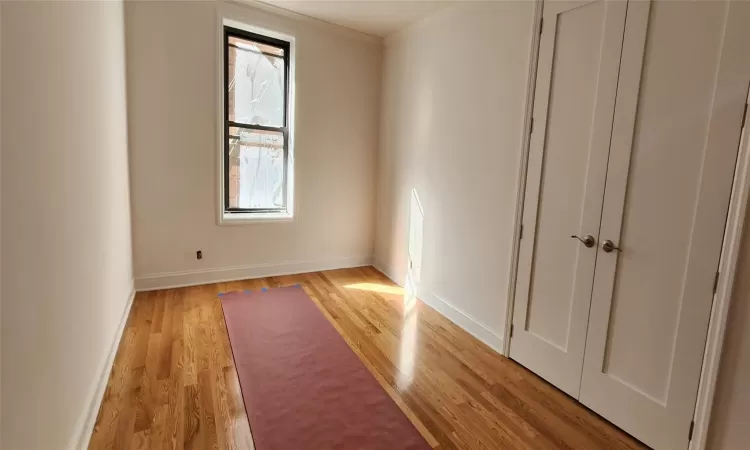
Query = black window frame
x=284 y=129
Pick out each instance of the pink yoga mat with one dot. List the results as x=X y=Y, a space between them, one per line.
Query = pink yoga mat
x=304 y=388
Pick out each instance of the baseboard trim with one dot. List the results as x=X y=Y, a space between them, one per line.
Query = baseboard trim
x=386 y=270
x=464 y=321
x=224 y=274
x=451 y=312
x=88 y=420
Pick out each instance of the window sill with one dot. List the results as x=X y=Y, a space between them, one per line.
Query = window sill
x=249 y=218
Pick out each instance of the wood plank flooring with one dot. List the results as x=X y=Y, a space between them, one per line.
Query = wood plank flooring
x=174 y=384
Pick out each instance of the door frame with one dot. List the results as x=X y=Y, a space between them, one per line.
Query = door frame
x=730 y=254
x=731 y=118
x=523 y=168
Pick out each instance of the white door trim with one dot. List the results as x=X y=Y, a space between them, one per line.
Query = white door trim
x=740 y=195
x=730 y=253
x=522 y=171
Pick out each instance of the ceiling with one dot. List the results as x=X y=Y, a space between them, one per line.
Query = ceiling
x=376 y=18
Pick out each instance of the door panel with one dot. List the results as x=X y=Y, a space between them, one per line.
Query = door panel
x=579 y=58
x=667 y=193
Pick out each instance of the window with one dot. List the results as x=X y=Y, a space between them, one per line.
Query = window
x=256 y=126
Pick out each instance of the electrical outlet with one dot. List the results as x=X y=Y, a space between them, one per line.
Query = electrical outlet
x=199 y=254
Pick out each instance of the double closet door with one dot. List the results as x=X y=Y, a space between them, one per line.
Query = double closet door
x=625 y=205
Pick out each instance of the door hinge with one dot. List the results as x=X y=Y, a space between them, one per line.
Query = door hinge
x=716 y=281
x=690 y=432
x=511 y=330
x=520 y=233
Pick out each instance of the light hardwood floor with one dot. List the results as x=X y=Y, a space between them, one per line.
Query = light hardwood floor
x=174 y=385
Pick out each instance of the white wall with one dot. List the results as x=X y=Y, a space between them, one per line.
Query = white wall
x=172 y=52
x=66 y=253
x=454 y=88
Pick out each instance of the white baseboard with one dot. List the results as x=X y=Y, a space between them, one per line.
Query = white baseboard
x=386 y=270
x=463 y=320
x=450 y=312
x=85 y=427
x=220 y=275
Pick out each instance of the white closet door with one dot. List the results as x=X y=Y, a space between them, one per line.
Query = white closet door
x=579 y=60
x=668 y=185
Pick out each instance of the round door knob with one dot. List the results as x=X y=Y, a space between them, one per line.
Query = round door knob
x=587 y=240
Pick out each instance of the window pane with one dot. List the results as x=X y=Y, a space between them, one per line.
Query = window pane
x=256 y=83
x=256 y=169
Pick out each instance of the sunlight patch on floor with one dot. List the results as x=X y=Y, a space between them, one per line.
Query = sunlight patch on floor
x=376 y=287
